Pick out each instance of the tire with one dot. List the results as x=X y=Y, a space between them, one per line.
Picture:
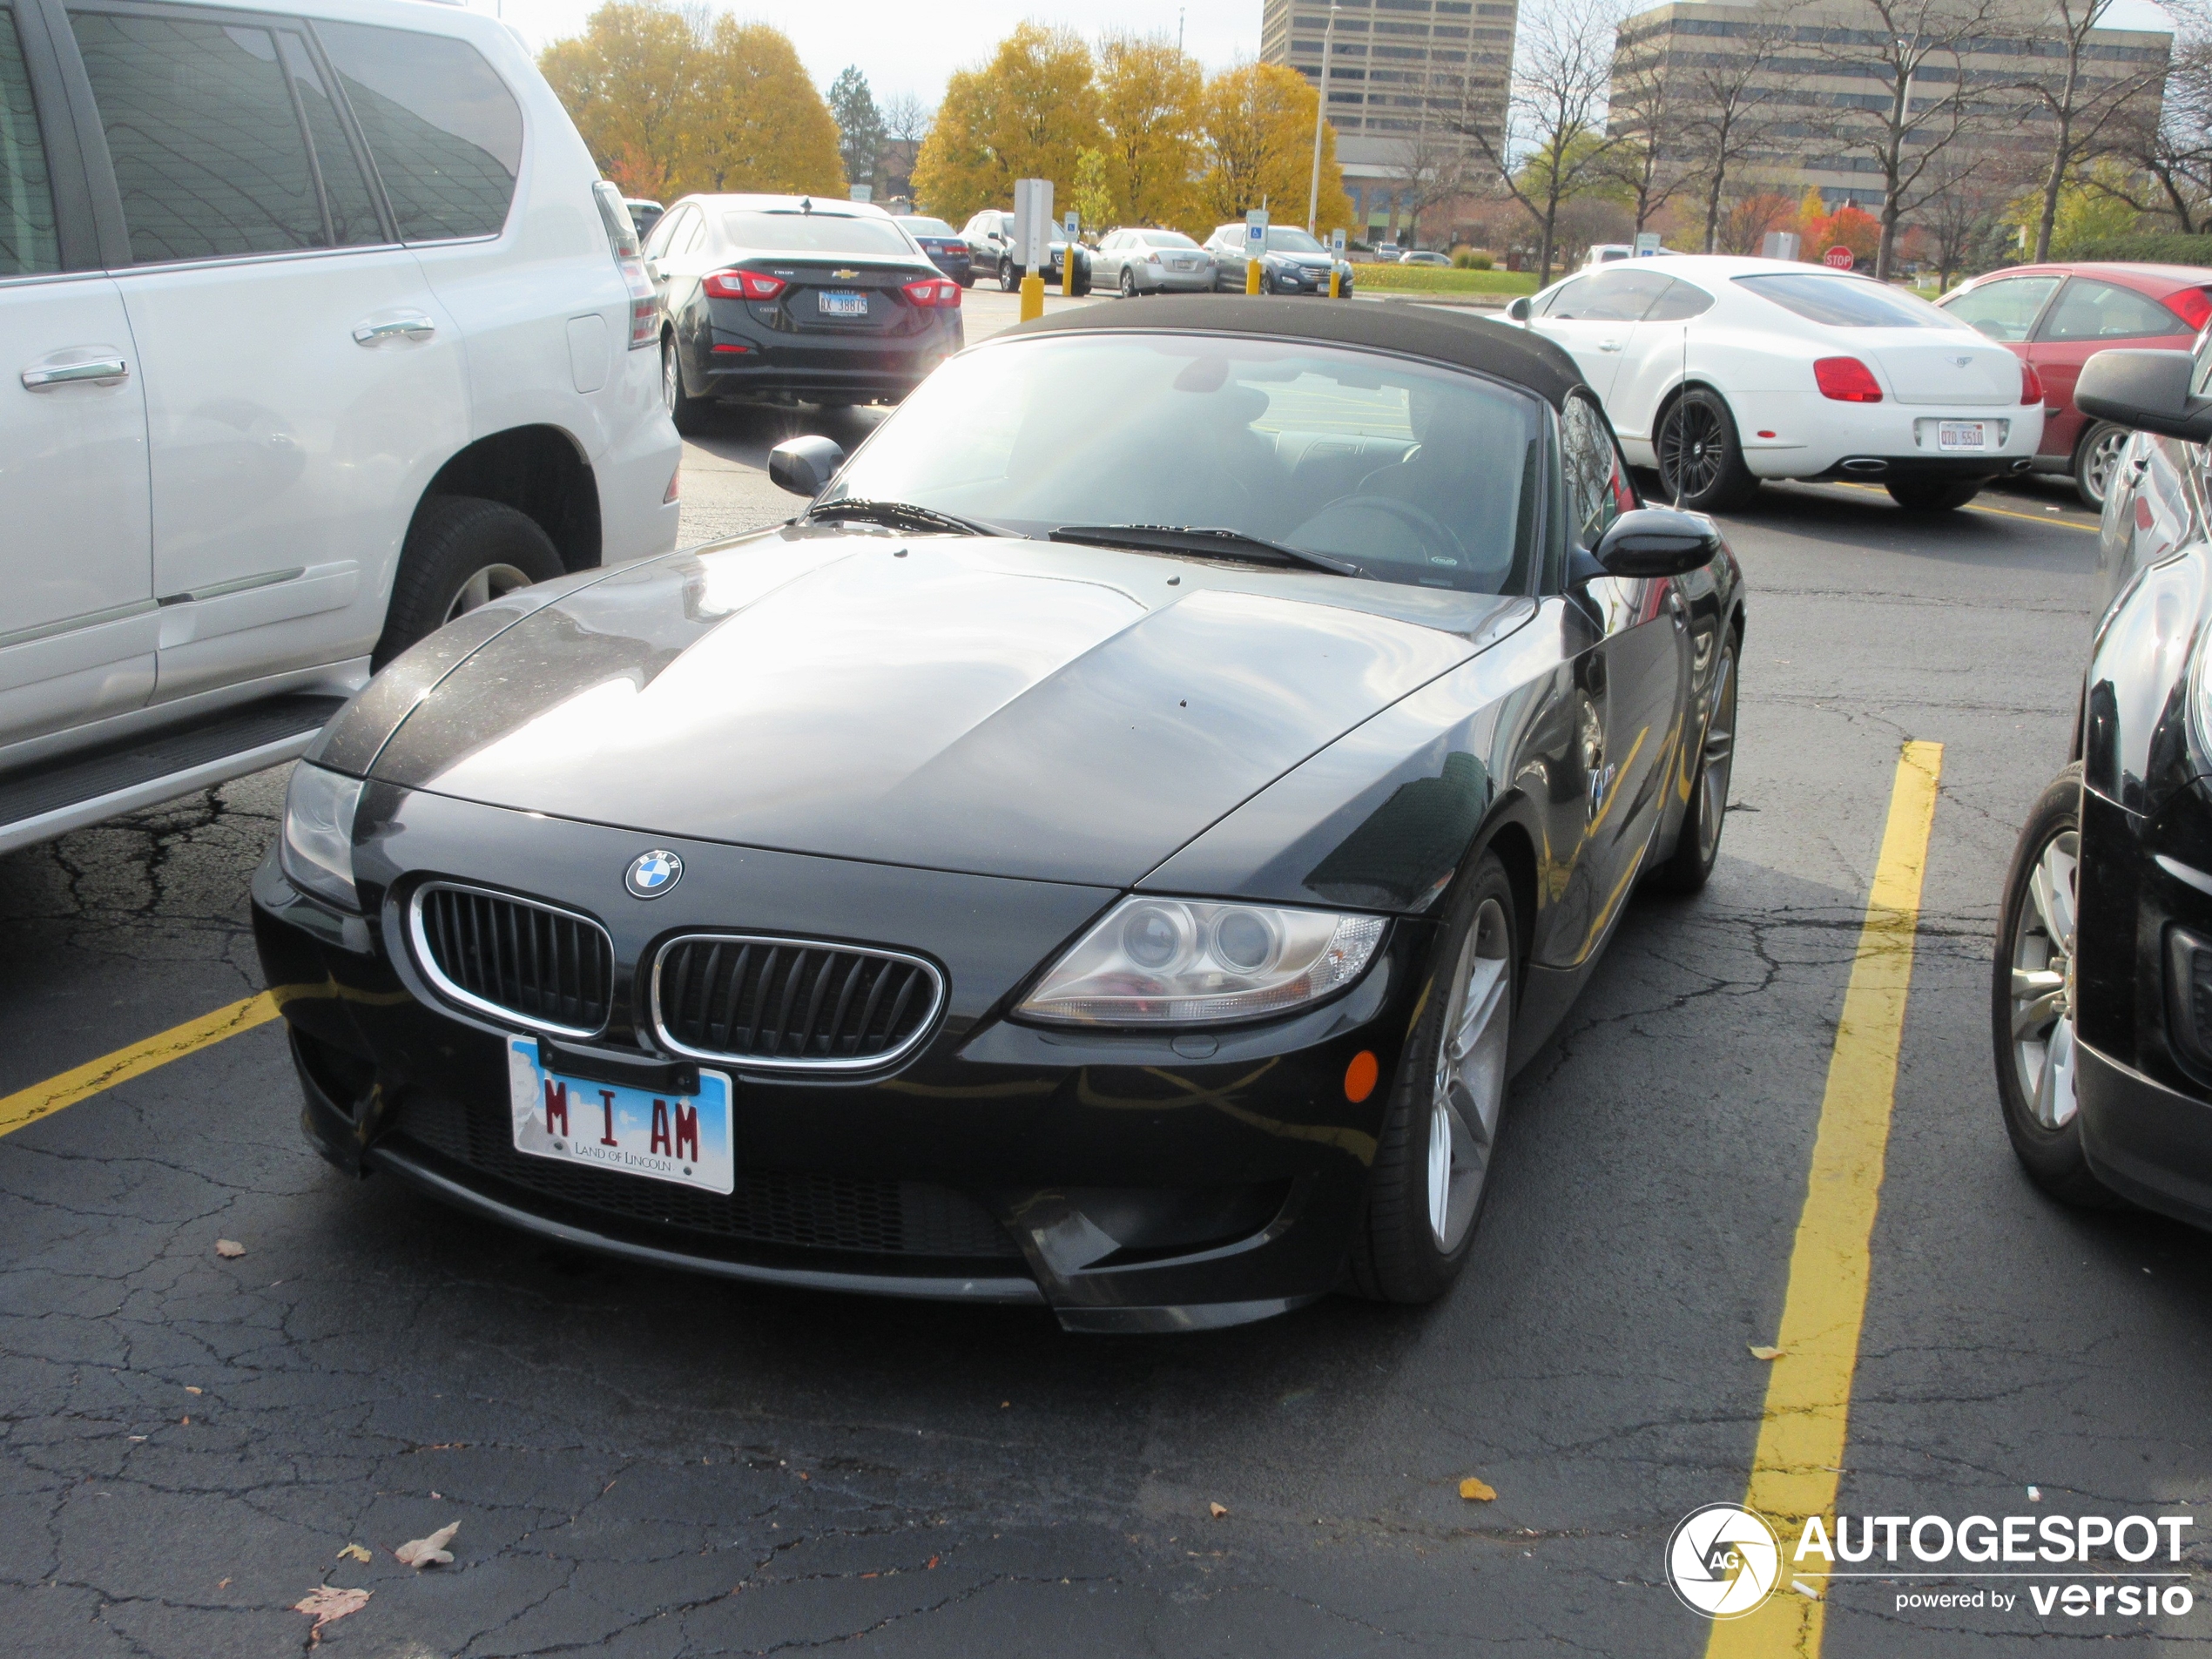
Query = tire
x=968 y=278
x=460 y=552
x=1009 y=283
x=1699 y=455
x=2094 y=458
x=2030 y=1025
x=1698 y=843
x=1078 y=283
x=1129 y=283
x=691 y=414
x=1934 y=495
x=1421 y=1214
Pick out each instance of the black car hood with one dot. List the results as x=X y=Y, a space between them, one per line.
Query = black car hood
x=995 y=706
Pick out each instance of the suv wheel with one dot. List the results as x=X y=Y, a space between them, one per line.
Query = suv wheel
x=461 y=551
x=1009 y=282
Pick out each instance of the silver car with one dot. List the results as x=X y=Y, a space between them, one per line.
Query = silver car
x=1150 y=262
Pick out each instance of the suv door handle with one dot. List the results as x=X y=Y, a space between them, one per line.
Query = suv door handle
x=1608 y=345
x=104 y=370
x=406 y=325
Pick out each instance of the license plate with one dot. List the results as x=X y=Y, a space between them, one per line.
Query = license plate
x=684 y=1139
x=1962 y=434
x=836 y=304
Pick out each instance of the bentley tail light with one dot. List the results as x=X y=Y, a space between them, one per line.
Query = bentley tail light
x=2031 y=384
x=743 y=285
x=932 y=291
x=1846 y=379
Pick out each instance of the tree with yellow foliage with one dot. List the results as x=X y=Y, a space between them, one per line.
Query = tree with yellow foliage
x=1028 y=113
x=1151 y=96
x=761 y=124
x=628 y=83
x=1258 y=128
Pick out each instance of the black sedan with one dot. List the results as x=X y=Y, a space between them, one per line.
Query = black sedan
x=784 y=298
x=1108 y=851
x=947 y=247
x=2102 y=1000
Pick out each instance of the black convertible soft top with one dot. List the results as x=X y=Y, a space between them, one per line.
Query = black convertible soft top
x=1416 y=330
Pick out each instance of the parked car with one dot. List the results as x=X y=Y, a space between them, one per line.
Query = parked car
x=989 y=236
x=234 y=479
x=1294 y=261
x=2101 y=1003
x=1387 y=253
x=1425 y=256
x=1149 y=260
x=1160 y=789
x=1608 y=253
x=947 y=247
x=783 y=298
x=644 y=215
x=1723 y=372
x=2055 y=317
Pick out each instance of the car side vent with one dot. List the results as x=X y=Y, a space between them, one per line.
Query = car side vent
x=791 y=1003
x=516 y=959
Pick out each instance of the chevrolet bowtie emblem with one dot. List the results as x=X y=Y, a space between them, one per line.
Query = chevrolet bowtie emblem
x=845 y=276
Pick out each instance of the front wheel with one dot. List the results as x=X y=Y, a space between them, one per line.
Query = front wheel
x=1432 y=1168
x=462 y=552
x=2094 y=459
x=1700 y=462
x=1934 y=495
x=2032 y=998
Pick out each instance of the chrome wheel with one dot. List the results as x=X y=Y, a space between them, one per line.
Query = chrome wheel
x=1719 y=758
x=2099 y=457
x=1470 y=1082
x=2042 y=984
x=488 y=585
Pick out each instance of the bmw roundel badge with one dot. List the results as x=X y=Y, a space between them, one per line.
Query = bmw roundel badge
x=653 y=873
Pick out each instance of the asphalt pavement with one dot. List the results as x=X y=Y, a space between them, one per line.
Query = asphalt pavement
x=652 y=1464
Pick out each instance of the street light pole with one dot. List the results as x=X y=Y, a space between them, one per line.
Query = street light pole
x=1321 y=114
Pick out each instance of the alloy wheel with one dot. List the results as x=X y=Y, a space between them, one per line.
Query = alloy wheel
x=2097 y=464
x=1470 y=1081
x=672 y=382
x=1719 y=758
x=1129 y=283
x=1691 y=445
x=2042 y=985
x=488 y=585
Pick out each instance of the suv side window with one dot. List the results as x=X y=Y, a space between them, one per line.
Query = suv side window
x=28 y=243
x=445 y=132
x=1598 y=488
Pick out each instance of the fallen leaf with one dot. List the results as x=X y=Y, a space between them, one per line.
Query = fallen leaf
x=357 y=1553
x=1476 y=1491
x=1761 y=1352
x=222 y=1583
x=230 y=1248
x=933 y=1562
x=326 y=1603
x=186 y=1422
x=1216 y=1510
x=421 y=1552
x=1005 y=1405
x=191 y=1390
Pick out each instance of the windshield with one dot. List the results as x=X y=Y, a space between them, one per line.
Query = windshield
x=1164 y=239
x=792 y=232
x=1847 y=302
x=1416 y=475
x=928 y=226
x=1285 y=239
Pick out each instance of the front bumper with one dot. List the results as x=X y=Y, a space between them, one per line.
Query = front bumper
x=1129 y=1181
x=2149 y=1142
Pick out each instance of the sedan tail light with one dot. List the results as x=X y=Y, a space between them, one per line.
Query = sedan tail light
x=2192 y=305
x=932 y=291
x=743 y=285
x=1846 y=379
x=2030 y=383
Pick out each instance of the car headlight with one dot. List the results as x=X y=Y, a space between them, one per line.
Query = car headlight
x=316 y=850
x=1163 y=961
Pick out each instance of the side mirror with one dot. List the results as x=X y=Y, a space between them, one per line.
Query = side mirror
x=1518 y=311
x=1658 y=541
x=804 y=466
x=2147 y=391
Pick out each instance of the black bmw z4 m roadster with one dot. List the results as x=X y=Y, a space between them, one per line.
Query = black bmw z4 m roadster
x=1111 y=863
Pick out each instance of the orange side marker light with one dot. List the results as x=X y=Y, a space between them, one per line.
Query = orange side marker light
x=1360 y=1076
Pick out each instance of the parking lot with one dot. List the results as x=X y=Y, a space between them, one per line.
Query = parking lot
x=650 y=1463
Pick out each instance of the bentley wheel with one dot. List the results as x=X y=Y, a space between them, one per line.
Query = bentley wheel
x=2094 y=458
x=1699 y=842
x=2034 y=998
x=1432 y=1159
x=1701 y=463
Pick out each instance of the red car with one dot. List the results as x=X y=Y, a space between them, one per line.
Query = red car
x=2053 y=316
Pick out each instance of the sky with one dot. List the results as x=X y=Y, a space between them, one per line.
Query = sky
x=914 y=46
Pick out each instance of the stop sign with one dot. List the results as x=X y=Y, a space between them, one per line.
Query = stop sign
x=1837 y=257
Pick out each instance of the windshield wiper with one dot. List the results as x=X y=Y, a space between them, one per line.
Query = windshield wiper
x=1201 y=539
x=901 y=516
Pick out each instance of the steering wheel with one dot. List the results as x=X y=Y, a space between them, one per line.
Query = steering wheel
x=1436 y=539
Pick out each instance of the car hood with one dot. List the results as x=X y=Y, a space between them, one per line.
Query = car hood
x=1000 y=707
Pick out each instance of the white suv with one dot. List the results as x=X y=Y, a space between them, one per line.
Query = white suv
x=317 y=328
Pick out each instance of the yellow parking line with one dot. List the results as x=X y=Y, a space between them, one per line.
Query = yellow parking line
x=2001 y=512
x=1808 y=1396
x=43 y=1100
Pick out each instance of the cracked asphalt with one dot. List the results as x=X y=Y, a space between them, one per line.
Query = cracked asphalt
x=647 y=1464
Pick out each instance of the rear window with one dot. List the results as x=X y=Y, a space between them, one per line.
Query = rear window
x=445 y=132
x=1164 y=239
x=1846 y=302
x=792 y=232
x=928 y=226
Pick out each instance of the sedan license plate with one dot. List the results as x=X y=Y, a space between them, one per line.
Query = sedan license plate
x=1962 y=434
x=683 y=1139
x=837 y=303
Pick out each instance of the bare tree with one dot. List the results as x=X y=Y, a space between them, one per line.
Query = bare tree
x=2085 y=109
x=1730 y=103
x=1651 y=161
x=2173 y=148
x=1426 y=166
x=1552 y=145
x=906 y=121
x=1969 y=193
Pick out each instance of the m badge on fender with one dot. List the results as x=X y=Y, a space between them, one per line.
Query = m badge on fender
x=653 y=873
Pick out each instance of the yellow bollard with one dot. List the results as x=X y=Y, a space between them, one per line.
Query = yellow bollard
x=1067 y=272
x=1032 y=297
x=1252 y=276
x=1334 y=277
